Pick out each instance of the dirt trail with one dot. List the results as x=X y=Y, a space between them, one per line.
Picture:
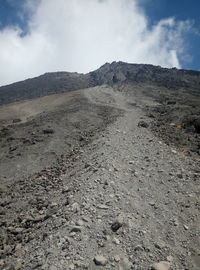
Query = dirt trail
x=126 y=196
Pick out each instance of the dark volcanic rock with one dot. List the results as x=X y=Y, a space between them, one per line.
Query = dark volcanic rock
x=143 y=124
x=170 y=78
x=114 y=73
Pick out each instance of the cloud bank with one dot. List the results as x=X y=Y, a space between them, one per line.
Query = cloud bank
x=81 y=35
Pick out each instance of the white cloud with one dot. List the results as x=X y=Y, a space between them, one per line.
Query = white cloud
x=81 y=35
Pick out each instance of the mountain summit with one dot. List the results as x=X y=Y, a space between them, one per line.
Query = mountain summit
x=114 y=73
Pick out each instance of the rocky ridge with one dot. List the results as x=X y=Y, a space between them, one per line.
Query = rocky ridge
x=116 y=72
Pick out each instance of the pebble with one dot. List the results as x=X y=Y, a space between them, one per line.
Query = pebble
x=18 y=266
x=75 y=207
x=116 y=241
x=100 y=260
x=16 y=230
x=85 y=218
x=152 y=203
x=80 y=222
x=118 y=223
x=102 y=206
x=116 y=258
x=174 y=151
x=163 y=265
x=65 y=189
x=76 y=229
x=125 y=264
x=71 y=267
x=138 y=248
x=170 y=258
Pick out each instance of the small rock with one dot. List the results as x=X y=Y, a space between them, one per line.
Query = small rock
x=48 y=131
x=100 y=260
x=118 y=223
x=18 y=266
x=180 y=176
x=18 y=246
x=38 y=218
x=116 y=258
x=65 y=189
x=87 y=165
x=76 y=229
x=2 y=211
x=174 y=151
x=71 y=267
x=186 y=227
x=15 y=230
x=138 y=248
x=170 y=258
x=152 y=203
x=7 y=249
x=72 y=234
x=116 y=241
x=143 y=124
x=16 y=120
x=163 y=265
x=126 y=264
x=75 y=207
x=160 y=245
x=85 y=218
x=80 y=222
x=102 y=206
x=175 y=221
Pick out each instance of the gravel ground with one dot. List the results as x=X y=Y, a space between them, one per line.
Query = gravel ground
x=124 y=200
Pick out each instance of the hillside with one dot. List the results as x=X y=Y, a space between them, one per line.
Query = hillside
x=116 y=72
x=101 y=172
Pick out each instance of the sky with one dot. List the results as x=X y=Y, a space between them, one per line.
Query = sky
x=38 y=36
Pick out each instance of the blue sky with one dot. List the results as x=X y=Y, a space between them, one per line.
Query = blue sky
x=181 y=10
x=10 y=13
x=82 y=35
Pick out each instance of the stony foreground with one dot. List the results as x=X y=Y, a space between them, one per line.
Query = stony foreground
x=124 y=200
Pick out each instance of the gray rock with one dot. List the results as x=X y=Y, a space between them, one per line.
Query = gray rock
x=125 y=264
x=76 y=229
x=75 y=207
x=118 y=223
x=80 y=222
x=100 y=260
x=65 y=189
x=102 y=206
x=116 y=241
x=143 y=124
x=163 y=265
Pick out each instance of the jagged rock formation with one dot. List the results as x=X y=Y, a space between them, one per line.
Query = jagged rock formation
x=171 y=78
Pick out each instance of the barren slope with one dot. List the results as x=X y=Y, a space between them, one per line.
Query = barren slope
x=120 y=193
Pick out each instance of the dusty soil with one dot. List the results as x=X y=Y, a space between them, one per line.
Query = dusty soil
x=174 y=113
x=49 y=127
x=89 y=178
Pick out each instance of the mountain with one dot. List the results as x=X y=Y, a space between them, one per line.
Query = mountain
x=101 y=170
x=114 y=73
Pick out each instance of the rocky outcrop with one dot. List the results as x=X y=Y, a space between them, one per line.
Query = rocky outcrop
x=114 y=73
